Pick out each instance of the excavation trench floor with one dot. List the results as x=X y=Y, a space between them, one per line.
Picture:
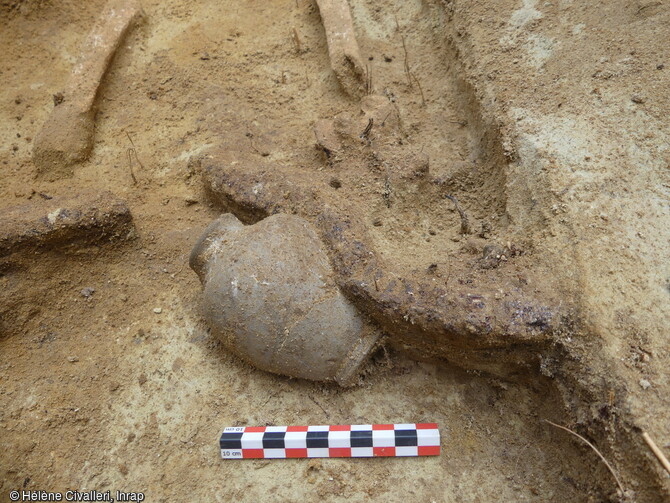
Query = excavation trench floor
x=102 y=392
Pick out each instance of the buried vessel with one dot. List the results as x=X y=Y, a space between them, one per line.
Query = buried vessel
x=271 y=296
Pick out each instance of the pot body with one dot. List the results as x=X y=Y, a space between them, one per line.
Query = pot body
x=270 y=294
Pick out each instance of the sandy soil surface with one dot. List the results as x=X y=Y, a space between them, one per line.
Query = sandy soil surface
x=110 y=379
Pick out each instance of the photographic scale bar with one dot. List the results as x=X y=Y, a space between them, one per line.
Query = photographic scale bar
x=330 y=441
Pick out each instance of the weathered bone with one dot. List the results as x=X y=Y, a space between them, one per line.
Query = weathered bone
x=67 y=136
x=345 y=57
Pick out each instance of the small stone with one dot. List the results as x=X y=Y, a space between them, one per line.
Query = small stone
x=486 y=230
x=58 y=98
x=72 y=359
x=158 y=310
x=87 y=292
x=645 y=384
x=492 y=255
x=123 y=297
x=636 y=98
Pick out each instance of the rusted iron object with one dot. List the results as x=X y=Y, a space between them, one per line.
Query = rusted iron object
x=48 y=222
x=464 y=321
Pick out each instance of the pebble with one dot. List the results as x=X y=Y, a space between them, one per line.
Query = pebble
x=645 y=384
x=72 y=359
x=87 y=292
x=158 y=310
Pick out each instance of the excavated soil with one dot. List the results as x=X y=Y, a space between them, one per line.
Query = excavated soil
x=109 y=379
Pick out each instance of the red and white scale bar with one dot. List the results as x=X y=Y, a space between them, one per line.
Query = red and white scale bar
x=334 y=441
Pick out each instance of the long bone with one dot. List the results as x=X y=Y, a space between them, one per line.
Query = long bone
x=67 y=136
x=345 y=57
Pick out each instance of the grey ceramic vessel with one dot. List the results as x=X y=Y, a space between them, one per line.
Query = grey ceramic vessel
x=269 y=293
